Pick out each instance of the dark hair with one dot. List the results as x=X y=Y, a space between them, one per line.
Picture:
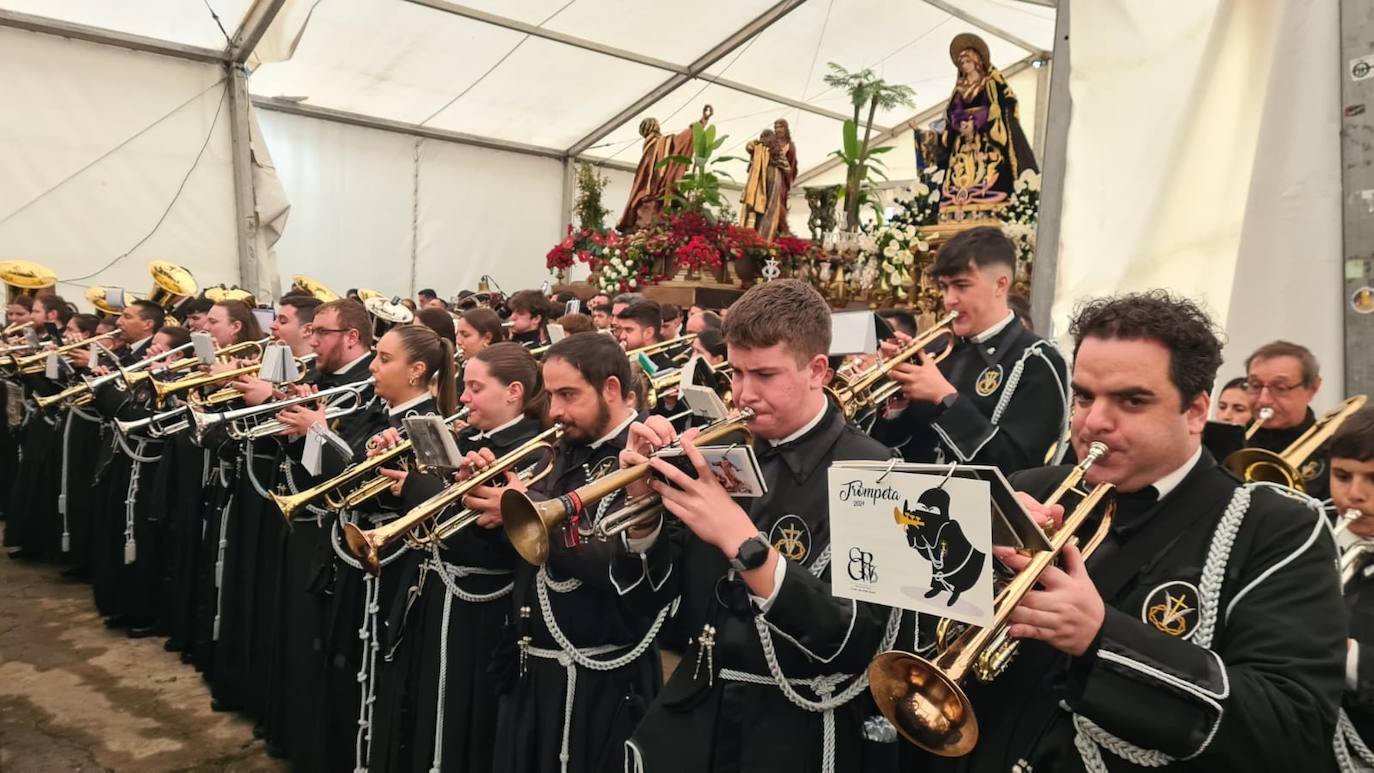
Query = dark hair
x=563 y=296
x=510 y=363
x=24 y=300
x=576 y=323
x=786 y=311
x=597 y=357
x=428 y=291
x=241 y=313
x=1181 y=326
x=629 y=299
x=439 y=321
x=305 y=305
x=1235 y=383
x=86 y=323
x=176 y=335
x=1020 y=306
x=900 y=320
x=982 y=247
x=425 y=346
x=713 y=341
x=198 y=305
x=1301 y=353
x=486 y=322
x=711 y=319
x=604 y=308
x=56 y=303
x=1355 y=439
x=151 y=312
x=352 y=316
x=533 y=302
x=646 y=314
x=670 y=312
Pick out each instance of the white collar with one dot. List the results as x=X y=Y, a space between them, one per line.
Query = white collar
x=810 y=425
x=134 y=346
x=1170 y=482
x=994 y=330
x=350 y=365
x=408 y=404
x=609 y=436
x=488 y=433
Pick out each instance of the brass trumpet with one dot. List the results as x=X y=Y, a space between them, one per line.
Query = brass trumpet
x=662 y=346
x=418 y=526
x=870 y=389
x=1259 y=464
x=244 y=424
x=1352 y=559
x=340 y=491
x=1265 y=414
x=923 y=698
x=34 y=363
x=529 y=523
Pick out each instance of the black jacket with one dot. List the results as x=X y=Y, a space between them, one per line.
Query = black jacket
x=1315 y=471
x=1015 y=361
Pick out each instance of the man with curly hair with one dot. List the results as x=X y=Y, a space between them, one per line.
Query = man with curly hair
x=1207 y=630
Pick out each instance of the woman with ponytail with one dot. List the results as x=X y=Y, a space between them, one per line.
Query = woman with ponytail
x=437 y=705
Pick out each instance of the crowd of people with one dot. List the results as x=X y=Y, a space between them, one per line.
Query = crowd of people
x=372 y=615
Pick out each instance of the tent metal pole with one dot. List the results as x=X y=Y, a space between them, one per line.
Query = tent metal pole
x=991 y=29
x=1053 y=165
x=245 y=210
x=1352 y=66
x=89 y=34
x=255 y=24
x=718 y=52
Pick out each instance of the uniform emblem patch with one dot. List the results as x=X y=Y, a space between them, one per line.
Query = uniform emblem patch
x=1313 y=469
x=791 y=537
x=988 y=381
x=1173 y=608
x=601 y=468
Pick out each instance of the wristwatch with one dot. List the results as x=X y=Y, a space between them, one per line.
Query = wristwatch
x=752 y=553
x=947 y=401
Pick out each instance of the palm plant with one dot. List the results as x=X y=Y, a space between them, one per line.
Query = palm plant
x=861 y=162
x=699 y=189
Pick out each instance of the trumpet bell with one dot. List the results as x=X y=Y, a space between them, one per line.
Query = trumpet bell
x=529 y=524
x=1263 y=465
x=363 y=548
x=927 y=707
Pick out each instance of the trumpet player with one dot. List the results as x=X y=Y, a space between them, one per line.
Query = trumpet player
x=587 y=377
x=1352 y=500
x=1281 y=379
x=1000 y=397
x=1206 y=630
x=770 y=677
x=452 y=597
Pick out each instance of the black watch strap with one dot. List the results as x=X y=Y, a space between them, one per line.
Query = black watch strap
x=752 y=553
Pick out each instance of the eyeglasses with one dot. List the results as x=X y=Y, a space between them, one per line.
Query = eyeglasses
x=321 y=331
x=1277 y=390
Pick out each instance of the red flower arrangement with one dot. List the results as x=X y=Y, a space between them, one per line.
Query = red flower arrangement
x=698 y=253
x=586 y=245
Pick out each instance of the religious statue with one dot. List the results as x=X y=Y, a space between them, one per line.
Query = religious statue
x=983 y=145
x=772 y=168
x=652 y=181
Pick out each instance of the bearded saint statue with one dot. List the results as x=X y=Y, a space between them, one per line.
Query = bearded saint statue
x=651 y=180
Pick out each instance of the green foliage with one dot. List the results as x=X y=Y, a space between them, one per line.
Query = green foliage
x=590 y=184
x=699 y=189
x=864 y=168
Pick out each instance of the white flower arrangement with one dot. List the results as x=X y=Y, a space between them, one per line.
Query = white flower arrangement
x=616 y=268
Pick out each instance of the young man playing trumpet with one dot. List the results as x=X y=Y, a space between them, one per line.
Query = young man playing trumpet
x=1207 y=629
x=1352 y=499
x=772 y=679
x=1000 y=398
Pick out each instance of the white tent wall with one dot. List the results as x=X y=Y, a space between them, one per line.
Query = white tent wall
x=355 y=221
x=1203 y=157
x=94 y=145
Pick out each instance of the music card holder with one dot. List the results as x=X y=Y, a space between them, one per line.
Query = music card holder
x=266 y=316
x=31 y=337
x=1012 y=525
x=433 y=443
x=556 y=332
x=853 y=332
x=204 y=347
x=278 y=364
x=114 y=296
x=316 y=438
x=647 y=364
x=573 y=306
x=52 y=367
x=735 y=466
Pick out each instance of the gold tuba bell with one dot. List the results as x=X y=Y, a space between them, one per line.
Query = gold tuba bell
x=1259 y=464
x=923 y=698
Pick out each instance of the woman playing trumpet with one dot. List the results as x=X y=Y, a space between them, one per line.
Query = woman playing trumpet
x=453 y=625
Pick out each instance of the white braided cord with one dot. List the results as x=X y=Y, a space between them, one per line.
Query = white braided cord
x=1089 y=738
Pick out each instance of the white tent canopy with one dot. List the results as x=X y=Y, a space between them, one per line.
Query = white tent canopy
x=423 y=143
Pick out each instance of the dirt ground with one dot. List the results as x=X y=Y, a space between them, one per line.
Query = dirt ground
x=75 y=696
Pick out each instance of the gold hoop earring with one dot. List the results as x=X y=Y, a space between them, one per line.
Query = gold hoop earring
x=412 y=381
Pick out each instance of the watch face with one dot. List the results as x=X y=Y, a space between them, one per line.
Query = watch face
x=752 y=553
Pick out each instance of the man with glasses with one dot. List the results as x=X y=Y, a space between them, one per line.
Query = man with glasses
x=1283 y=377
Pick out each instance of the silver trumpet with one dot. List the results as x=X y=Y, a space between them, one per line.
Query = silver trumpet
x=157 y=425
x=1353 y=558
x=253 y=422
